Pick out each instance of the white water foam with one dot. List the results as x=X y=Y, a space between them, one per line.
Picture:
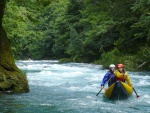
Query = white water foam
x=60 y=73
x=143 y=83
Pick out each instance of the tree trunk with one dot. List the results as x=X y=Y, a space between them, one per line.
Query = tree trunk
x=11 y=77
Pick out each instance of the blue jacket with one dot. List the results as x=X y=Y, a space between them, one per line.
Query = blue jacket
x=107 y=77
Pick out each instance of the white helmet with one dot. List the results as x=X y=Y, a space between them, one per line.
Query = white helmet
x=112 y=65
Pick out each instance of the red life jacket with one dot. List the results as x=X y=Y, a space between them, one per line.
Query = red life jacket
x=121 y=79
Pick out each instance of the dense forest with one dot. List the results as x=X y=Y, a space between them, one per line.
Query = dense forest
x=91 y=31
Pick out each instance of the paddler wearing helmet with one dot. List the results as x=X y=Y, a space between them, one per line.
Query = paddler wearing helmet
x=109 y=76
x=122 y=75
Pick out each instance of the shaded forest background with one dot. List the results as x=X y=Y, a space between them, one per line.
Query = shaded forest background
x=91 y=31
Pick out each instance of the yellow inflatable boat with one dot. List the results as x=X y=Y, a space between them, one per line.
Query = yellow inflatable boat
x=118 y=90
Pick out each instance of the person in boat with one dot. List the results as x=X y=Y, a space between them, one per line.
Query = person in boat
x=109 y=76
x=122 y=75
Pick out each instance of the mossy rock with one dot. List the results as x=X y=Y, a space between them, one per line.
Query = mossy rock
x=14 y=81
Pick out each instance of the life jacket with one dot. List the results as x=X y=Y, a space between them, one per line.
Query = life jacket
x=119 y=76
x=121 y=79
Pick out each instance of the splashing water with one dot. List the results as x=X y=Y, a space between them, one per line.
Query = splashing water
x=72 y=88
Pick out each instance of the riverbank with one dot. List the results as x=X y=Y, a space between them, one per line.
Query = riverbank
x=130 y=65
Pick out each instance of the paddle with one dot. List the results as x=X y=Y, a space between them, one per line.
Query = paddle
x=103 y=87
x=99 y=92
x=137 y=96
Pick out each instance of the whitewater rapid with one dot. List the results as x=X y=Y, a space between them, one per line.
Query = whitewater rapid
x=71 y=88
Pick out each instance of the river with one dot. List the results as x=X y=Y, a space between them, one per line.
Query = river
x=72 y=88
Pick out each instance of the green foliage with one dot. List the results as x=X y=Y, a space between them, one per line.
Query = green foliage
x=143 y=56
x=75 y=44
x=113 y=57
x=81 y=31
x=20 y=30
x=142 y=26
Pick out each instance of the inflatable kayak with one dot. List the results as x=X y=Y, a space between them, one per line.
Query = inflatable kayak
x=118 y=90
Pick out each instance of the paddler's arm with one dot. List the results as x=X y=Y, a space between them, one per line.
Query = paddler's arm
x=105 y=79
x=127 y=78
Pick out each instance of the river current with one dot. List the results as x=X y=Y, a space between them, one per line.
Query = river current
x=72 y=88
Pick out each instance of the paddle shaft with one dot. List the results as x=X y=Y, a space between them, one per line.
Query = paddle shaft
x=99 y=92
x=103 y=87
x=136 y=93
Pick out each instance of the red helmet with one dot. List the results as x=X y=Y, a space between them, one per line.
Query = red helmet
x=120 y=66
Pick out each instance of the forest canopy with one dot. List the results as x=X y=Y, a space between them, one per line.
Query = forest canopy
x=91 y=31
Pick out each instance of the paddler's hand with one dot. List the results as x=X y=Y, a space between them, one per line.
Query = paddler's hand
x=102 y=87
x=131 y=86
x=125 y=75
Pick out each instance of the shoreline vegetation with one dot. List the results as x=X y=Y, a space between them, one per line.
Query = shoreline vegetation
x=99 y=32
x=138 y=68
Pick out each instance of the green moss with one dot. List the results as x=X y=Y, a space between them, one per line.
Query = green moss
x=14 y=81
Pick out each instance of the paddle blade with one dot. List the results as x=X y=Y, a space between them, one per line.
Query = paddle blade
x=137 y=96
